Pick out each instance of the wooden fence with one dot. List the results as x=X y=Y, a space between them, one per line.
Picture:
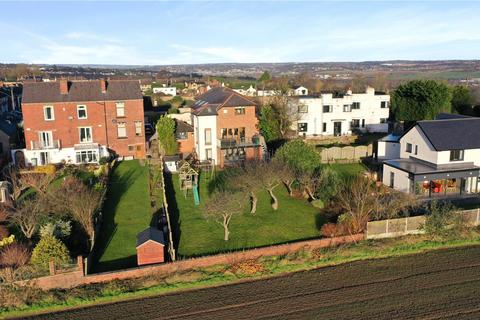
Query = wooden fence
x=346 y=154
x=391 y=228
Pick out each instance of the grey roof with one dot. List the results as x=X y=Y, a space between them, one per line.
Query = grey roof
x=182 y=126
x=390 y=138
x=214 y=99
x=452 y=134
x=445 y=116
x=150 y=233
x=44 y=92
x=416 y=166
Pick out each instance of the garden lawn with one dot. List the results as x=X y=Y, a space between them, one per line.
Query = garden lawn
x=294 y=220
x=126 y=212
x=349 y=169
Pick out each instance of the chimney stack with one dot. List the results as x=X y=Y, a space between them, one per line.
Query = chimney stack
x=103 y=85
x=63 y=86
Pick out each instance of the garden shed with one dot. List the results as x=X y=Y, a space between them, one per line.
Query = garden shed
x=150 y=246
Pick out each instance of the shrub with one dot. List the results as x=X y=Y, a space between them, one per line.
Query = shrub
x=14 y=255
x=103 y=161
x=443 y=220
x=318 y=204
x=329 y=230
x=3 y=232
x=50 y=248
x=59 y=229
x=47 y=169
x=7 y=240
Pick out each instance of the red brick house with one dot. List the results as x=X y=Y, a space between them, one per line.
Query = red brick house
x=81 y=121
x=150 y=246
x=226 y=127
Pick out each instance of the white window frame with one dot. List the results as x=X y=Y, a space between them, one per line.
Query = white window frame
x=138 y=128
x=80 y=134
x=49 y=141
x=124 y=124
x=117 y=107
x=45 y=113
x=84 y=107
x=208 y=136
x=87 y=154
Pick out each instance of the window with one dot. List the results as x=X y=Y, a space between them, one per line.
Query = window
x=416 y=149
x=208 y=153
x=384 y=104
x=392 y=179
x=120 y=106
x=85 y=134
x=138 y=128
x=383 y=120
x=48 y=113
x=208 y=136
x=82 y=112
x=131 y=148
x=46 y=140
x=355 y=105
x=86 y=156
x=408 y=148
x=121 y=130
x=456 y=155
x=355 y=123
x=363 y=123
x=347 y=108
x=302 y=127
x=324 y=127
x=302 y=108
x=239 y=110
x=327 y=109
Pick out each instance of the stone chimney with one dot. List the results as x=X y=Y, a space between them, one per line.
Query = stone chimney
x=103 y=85
x=63 y=86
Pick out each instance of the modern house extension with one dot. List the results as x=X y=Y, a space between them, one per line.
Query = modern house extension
x=225 y=128
x=438 y=158
x=339 y=114
x=81 y=121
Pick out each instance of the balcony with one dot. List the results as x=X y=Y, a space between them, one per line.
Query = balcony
x=40 y=145
x=238 y=142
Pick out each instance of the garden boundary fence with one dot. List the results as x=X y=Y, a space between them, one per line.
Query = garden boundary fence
x=391 y=228
x=346 y=154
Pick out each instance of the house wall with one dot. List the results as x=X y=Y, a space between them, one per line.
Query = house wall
x=370 y=111
x=186 y=146
x=416 y=137
x=470 y=155
x=101 y=117
x=200 y=123
x=172 y=91
x=388 y=150
x=401 y=181
x=228 y=119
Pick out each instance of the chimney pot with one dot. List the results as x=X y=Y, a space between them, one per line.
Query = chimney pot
x=63 y=86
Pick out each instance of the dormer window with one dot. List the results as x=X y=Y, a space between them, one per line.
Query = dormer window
x=82 y=112
x=456 y=155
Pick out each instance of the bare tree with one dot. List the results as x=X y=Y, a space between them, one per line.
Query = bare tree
x=287 y=176
x=26 y=215
x=13 y=176
x=268 y=175
x=222 y=206
x=38 y=181
x=247 y=180
x=82 y=202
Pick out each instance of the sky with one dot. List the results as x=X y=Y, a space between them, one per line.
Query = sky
x=162 y=33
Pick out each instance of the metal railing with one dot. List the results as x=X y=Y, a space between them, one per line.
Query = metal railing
x=38 y=145
x=238 y=142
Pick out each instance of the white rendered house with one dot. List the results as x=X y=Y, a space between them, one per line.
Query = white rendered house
x=169 y=91
x=333 y=114
x=437 y=158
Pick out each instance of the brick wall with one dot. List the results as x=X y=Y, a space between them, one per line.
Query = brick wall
x=186 y=146
x=101 y=116
x=231 y=120
x=76 y=278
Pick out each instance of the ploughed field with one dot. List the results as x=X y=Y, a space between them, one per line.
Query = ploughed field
x=442 y=284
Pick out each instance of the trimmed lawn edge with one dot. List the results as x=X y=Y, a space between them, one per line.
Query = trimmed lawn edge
x=398 y=249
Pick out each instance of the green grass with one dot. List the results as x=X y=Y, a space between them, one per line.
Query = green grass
x=348 y=170
x=295 y=219
x=126 y=212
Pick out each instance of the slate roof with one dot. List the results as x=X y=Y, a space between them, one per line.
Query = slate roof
x=45 y=92
x=445 y=116
x=452 y=134
x=182 y=126
x=150 y=233
x=214 y=99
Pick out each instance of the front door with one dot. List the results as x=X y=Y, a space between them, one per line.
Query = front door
x=337 y=128
x=44 y=158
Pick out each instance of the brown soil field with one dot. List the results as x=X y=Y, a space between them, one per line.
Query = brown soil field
x=442 y=284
